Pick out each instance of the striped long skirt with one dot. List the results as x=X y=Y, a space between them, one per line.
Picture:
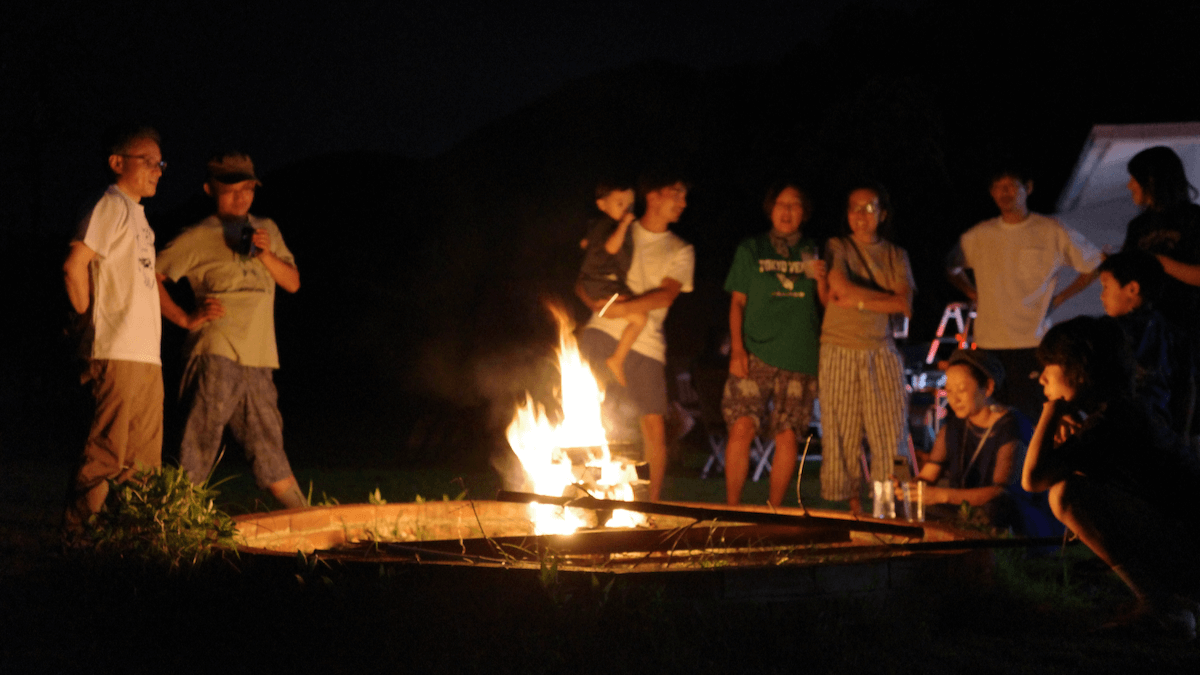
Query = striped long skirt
x=862 y=390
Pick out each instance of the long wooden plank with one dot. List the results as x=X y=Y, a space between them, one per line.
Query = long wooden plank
x=726 y=515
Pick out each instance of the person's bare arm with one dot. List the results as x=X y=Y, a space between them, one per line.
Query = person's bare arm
x=956 y=272
x=169 y=309
x=614 y=241
x=963 y=283
x=932 y=470
x=1005 y=457
x=1081 y=282
x=905 y=295
x=76 y=276
x=845 y=293
x=208 y=310
x=658 y=298
x=973 y=496
x=1188 y=274
x=821 y=272
x=980 y=495
x=284 y=274
x=1044 y=464
x=739 y=360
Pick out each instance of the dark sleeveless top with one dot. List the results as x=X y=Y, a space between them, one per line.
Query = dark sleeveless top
x=964 y=468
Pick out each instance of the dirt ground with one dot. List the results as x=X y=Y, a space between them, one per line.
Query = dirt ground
x=69 y=613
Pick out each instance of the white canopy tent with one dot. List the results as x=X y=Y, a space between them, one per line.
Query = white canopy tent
x=1095 y=200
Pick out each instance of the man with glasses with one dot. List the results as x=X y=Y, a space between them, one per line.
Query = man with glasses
x=233 y=261
x=110 y=281
x=1016 y=259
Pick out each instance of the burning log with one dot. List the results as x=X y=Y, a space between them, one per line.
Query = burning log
x=727 y=515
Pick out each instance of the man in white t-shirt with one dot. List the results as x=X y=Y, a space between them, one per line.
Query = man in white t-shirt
x=109 y=277
x=1016 y=259
x=661 y=269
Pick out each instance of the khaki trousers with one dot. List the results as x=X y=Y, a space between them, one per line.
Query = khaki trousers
x=126 y=433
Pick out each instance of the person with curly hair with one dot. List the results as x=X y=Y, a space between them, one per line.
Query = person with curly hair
x=1123 y=484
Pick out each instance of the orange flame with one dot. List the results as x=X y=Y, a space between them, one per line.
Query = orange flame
x=543 y=446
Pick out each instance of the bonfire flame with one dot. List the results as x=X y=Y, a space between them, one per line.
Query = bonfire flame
x=545 y=448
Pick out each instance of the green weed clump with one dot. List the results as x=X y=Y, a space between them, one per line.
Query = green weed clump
x=160 y=517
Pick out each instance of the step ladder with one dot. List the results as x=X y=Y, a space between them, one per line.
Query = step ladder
x=962 y=338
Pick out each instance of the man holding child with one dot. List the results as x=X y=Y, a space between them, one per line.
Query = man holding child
x=660 y=269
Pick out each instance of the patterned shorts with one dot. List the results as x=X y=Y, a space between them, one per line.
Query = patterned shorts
x=792 y=395
x=219 y=393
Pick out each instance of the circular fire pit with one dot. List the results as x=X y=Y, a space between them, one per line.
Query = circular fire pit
x=723 y=558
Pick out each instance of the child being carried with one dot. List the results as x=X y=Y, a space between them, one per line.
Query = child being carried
x=606 y=264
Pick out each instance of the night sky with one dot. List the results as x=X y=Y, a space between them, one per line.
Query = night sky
x=429 y=163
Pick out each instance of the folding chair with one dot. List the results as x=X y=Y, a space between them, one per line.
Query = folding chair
x=709 y=389
x=761 y=454
x=708 y=384
x=716 y=456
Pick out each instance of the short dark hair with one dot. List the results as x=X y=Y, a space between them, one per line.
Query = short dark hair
x=1094 y=354
x=607 y=186
x=777 y=188
x=885 y=229
x=119 y=138
x=658 y=178
x=1139 y=266
x=1017 y=173
x=1160 y=173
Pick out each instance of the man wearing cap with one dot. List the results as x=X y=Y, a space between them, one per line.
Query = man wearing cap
x=233 y=261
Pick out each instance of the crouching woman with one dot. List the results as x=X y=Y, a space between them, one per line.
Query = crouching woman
x=975 y=456
x=1121 y=483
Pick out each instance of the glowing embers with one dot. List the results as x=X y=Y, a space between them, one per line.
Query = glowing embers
x=570 y=456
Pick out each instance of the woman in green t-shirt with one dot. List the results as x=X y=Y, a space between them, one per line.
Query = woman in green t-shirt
x=776 y=281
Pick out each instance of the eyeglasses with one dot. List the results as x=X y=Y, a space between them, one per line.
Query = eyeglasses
x=865 y=208
x=160 y=165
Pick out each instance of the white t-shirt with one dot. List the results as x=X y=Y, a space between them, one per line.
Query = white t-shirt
x=1016 y=265
x=656 y=256
x=125 y=322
